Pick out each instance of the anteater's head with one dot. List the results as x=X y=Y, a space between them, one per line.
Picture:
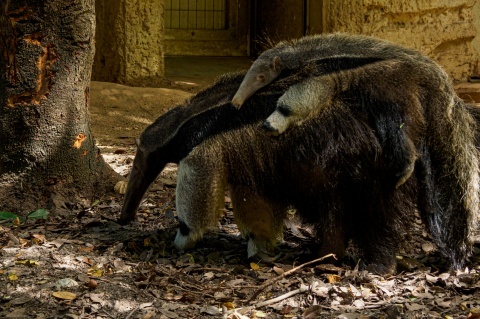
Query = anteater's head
x=262 y=72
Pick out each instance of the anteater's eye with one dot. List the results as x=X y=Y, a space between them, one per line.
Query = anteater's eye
x=261 y=77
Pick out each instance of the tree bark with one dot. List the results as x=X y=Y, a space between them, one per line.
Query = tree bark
x=46 y=146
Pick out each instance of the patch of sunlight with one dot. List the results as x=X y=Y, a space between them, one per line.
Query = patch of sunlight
x=124 y=305
x=28 y=253
x=140 y=119
x=109 y=91
x=184 y=82
x=170 y=168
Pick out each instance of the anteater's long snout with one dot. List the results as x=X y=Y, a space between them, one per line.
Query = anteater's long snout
x=136 y=188
x=141 y=176
x=238 y=101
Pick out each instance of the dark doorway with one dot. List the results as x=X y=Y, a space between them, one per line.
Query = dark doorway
x=277 y=20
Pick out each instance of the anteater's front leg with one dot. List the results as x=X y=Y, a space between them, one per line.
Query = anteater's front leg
x=200 y=197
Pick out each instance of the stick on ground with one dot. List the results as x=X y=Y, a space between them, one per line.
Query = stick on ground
x=287 y=273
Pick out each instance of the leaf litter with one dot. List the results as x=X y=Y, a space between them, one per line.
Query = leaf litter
x=78 y=263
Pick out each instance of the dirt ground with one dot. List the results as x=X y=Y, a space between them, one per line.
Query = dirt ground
x=82 y=264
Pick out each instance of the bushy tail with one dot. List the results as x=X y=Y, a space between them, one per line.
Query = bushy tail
x=454 y=179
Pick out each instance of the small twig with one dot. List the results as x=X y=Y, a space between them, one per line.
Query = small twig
x=106 y=313
x=285 y=274
x=13 y=238
x=302 y=289
x=132 y=312
x=224 y=312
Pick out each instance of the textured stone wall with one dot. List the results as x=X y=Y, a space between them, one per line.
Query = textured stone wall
x=129 y=48
x=442 y=29
x=476 y=41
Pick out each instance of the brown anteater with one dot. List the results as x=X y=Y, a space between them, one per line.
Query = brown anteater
x=332 y=168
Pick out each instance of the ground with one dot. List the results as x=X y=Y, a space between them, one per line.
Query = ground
x=79 y=263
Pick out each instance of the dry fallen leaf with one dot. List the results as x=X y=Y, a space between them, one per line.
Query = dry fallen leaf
x=12 y=277
x=312 y=312
x=57 y=243
x=333 y=278
x=20 y=301
x=120 y=187
x=359 y=303
x=145 y=305
x=209 y=275
x=168 y=313
x=279 y=271
x=88 y=261
x=211 y=310
x=149 y=315
x=414 y=306
x=95 y=272
x=83 y=278
x=24 y=242
x=254 y=266
x=99 y=298
x=286 y=310
x=86 y=249
x=229 y=305
x=147 y=242
x=65 y=295
x=473 y=315
x=66 y=283
x=27 y=262
x=38 y=239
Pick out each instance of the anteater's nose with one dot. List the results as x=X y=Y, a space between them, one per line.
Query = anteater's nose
x=237 y=103
x=269 y=129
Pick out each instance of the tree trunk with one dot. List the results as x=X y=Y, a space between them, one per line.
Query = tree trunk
x=47 y=150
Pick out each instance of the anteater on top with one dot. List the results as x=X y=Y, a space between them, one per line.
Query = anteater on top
x=334 y=168
x=336 y=62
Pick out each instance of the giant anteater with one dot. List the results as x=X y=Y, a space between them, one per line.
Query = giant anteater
x=331 y=168
x=341 y=61
x=335 y=51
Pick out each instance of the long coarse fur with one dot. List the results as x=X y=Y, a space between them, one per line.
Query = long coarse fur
x=330 y=168
x=411 y=102
x=332 y=52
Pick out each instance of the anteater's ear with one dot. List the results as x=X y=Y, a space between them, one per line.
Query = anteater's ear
x=276 y=63
x=137 y=141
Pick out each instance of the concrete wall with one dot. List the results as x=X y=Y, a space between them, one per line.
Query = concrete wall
x=129 y=42
x=130 y=33
x=476 y=40
x=442 y=29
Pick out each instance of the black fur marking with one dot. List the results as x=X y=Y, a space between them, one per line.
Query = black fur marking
x=342 y=63
x=329 y=65
x=184 y=229
x=284 y=110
